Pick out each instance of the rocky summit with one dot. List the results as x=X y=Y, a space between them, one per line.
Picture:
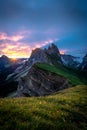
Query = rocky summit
x=50 y=55
x=39 y=83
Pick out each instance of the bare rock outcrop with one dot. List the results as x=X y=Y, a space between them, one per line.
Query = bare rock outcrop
x=39 y=83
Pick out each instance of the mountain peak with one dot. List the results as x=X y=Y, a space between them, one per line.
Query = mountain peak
x=52 y=49
x=4 y=57
x=48 y=55
x=35 y=51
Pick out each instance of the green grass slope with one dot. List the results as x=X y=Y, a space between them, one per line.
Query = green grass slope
x=74 y=76
x=65 y=110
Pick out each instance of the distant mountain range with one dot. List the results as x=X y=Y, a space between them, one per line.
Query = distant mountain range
x=83 y=65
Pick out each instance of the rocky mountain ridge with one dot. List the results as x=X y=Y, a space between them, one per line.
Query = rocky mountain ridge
x=40 y=83
x=50 y=55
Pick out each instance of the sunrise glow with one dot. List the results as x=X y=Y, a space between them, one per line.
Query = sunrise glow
x=14 y=48
x=63 y=52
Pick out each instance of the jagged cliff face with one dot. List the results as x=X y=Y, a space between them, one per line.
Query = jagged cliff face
x=50 y=56
x=37 y=55
x=39 y=83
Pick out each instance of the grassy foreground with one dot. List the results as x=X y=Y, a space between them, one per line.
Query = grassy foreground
x=65 y=110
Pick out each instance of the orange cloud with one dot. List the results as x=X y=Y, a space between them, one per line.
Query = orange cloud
x=63 y=51
x=16 y=51
x=19 y=50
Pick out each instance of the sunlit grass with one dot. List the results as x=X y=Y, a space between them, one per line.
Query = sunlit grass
x=71 y=75
x=65 y=110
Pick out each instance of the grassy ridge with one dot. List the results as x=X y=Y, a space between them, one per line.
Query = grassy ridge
x=72 y=76
x=65 y=110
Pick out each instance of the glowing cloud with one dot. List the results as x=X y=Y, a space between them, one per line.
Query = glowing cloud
x=12 y=47
x=63 y=51
x=16 y=51
x=15 y=38
x=19 y=50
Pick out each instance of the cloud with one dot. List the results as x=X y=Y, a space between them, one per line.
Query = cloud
x=18 y=36
x=34 y=23
x=20 y=49
x=3 y=36
x=63 y=51
x=21 y=43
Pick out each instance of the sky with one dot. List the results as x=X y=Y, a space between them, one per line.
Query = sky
x=28 y=24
